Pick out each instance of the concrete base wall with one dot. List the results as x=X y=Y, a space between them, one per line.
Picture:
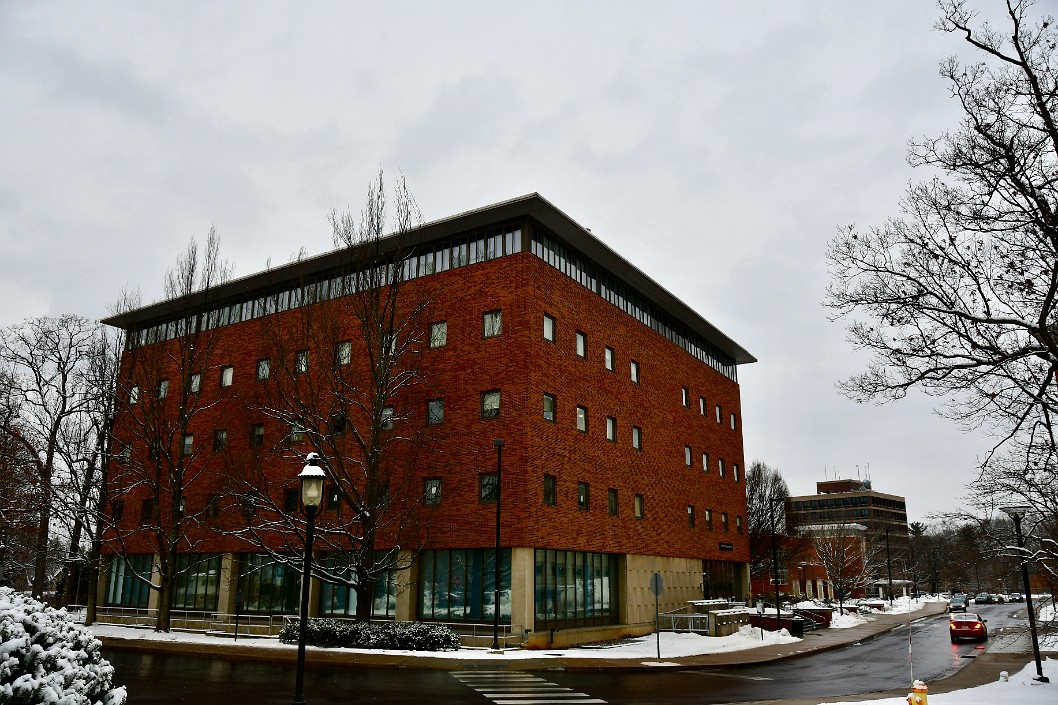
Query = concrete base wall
x=682 y=578
x=562 y=638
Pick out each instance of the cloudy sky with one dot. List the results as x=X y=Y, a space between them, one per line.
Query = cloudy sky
x=717 y=145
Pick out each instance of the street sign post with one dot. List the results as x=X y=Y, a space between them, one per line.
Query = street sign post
x=657 y=586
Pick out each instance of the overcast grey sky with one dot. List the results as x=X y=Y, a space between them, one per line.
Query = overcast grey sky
x=716 y=145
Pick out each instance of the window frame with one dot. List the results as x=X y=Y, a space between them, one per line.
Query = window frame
x=581 y=344
x=489 y=413
x=220 y=440
x=550 y=490
x=685 y=397
x=634 y=371
x=583 y=496
x=554 y=407
x=343 y=353
x=687 y=456
x=690 y=516
x=488 y=478
x=637 y=438
x=194 y=383
x=301 y=362
x=227 y=375
x=612 y=504
x=549 y=321
x=439 y=340
x=263 y=371
x=492 y=323
x=432 y=488
x=432 y=418
x=611 y=429
x=187 y=445
x=257 y=435
x=582 y=419
x=609 y=358
x=639 y=506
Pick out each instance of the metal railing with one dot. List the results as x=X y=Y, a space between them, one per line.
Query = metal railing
x=684 y=619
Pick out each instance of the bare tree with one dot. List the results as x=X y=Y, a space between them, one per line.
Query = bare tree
x=345 y=381
x=20 y=499
x=157 y=459
x=44 y=357
x=850 y=559
x=957 y=296
x=766 y=497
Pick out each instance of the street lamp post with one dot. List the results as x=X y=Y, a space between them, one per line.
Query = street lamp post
x=889 y=568
x=311 y=478
x=775 y=562
x=498 y=442
x=804 y=580
x=1017 y=513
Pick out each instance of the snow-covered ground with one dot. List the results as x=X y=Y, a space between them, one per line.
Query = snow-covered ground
x=645 y=647
x=1020 y=689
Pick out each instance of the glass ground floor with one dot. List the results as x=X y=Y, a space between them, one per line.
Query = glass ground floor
x=540 y=590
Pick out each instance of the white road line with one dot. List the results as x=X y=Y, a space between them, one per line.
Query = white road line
x=519 y=688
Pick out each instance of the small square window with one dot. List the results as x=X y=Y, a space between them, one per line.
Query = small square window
x=290 y=500
x=134 y=395
x=709 y=519
x=549 y=328
x=685 y=396
x=195 y=383
x=488 y=488
x=720 y=466
x=439 y=334
x=226 y=374
x=549 y=407
x=264 y=369
x=431 y=495
x=638 y=506
x=608 y=358
x=220 y=440
x=635 y=371
x=582 y=345
x=301 y=362
x=611 y=429
x=637 y=438
x=719 y=414
x=583 y=497
x=490 y=404
x=435 y=412
x=163 y=389
x=701 y=405
x=550 y=489
x=188 y=445
x=723 y=522
x=734 y=424
x=257 y=435
x=582 y=419
x=611 y=501
x=343 y=353
x=492 y=324
x=690 y=515
x=387 y=418
x=687 y=456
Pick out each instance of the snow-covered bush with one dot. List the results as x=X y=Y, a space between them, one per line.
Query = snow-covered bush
x=46 y=658
x=409 y=636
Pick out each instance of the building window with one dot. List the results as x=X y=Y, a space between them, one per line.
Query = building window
x=582 y=419
x=611 y=501
x=549 y=328
x=738 y=524
x=638 y=506
x=343 y=353
x=226 y=374
x=637 y=438
x=685 y=396
x=734 y=473
x=129 y=580
x=220 y=440
x=488 y=487
x=439 y=334
x=117 y=512
x=687 y=456
x=709 y=519
x=213 y=506
x=701 y=405
x=431 y=495
x=147 y=511
x=550 y=489
x=257 y=435
x=134 y=395
x=435 y=412
x=719 y=414
x=339 y=422
x=455 y=585
x=690 y=515
x=705 y=462
x=723 y=522
x=490 y=404
x=290 y=500
x=297 y=433
x=608 y=358
x=301 y=362
x=583 y=497
x=635 y=371
x=334 y=500
x=720 y=466
x=188 y=445
x=492 y=324
x=125 y=454
x=734 y=425
x=611 y=429
x=387 y=418
x=195 y=382
x=163 y=389
x=264 y=369
x=582 y=345
x=549 y=407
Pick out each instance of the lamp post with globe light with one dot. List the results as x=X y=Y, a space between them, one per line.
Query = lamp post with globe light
x=311 y=477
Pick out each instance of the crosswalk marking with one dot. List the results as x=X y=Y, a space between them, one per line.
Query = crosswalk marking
x=519 y=688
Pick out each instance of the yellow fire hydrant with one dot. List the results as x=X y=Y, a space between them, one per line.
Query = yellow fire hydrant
x=919 y=694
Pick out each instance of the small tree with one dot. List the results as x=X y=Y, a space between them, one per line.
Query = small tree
x=851 y=561
x=766 y=498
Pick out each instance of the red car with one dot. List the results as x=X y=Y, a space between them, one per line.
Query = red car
x=967 y=625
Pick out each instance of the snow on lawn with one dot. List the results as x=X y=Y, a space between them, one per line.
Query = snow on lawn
x=672 y=645
x=1020 y=689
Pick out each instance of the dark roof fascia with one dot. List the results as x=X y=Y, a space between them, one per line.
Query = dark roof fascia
x=531 y=206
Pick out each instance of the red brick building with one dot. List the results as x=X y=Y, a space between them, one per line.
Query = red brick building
x=618 y=406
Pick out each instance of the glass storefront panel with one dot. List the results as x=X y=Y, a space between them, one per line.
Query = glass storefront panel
x=197 y=581
x=338 y=600
x=456 y=585
x=574 y=589
x=127 y=581
x=268 y=586
x=722 y=580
